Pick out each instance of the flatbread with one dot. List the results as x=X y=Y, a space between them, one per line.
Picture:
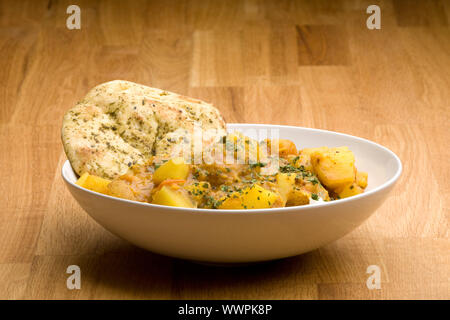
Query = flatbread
x=121 y=123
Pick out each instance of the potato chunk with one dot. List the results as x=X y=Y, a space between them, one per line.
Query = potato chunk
x=285 y=147
x=94 y=183
x=241 y=148
x=175 y=168
x=335 y=167
x=304 y=157
x=349 y=190
x=254 y=197
x=82 y=179
x=298 y=197
x=167 y=196
x=302 y=160
x=286 y=182
x=361 y=179
x=310 y=151
x=290 y=194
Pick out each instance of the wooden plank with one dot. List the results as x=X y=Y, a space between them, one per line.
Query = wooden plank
x=412 y=13
x=132 y=275
x=417 y=269
x=21 y=208
x=68 y=230
x=322 y=45
x=13 y=280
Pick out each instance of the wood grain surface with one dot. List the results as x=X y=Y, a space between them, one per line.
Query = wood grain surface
x=302 y=63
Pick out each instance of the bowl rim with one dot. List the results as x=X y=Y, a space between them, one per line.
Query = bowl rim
x=385 y=185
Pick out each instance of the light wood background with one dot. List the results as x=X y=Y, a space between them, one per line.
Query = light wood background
x=303 y=63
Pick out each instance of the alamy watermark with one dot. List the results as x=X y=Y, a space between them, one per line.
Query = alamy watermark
x=374 y=280
x=74 y=280
x=74 y=20
x=374 y=20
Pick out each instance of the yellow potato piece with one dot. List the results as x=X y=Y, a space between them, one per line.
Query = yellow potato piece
x=167 y=196
x=94 y=183
x=335 y=167
x=310 y=151
x=285 y=182
x=298 y=198
x=175 y=168
x=254 y=197
x=291 y=196
x=284 y=147
x=234 y=201
x=82 y=179
x=242 y=148
x=349 y=190
x=361 y=179
x=303 y=159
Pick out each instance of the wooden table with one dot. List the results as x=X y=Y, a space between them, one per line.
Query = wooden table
x=302 y=63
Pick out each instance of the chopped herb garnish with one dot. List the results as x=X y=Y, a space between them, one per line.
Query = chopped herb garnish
x=289 y=168
x=257 y=164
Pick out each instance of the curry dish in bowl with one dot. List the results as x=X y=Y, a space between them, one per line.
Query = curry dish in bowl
x=243 y=235
x=238 y=194
x=239 y=173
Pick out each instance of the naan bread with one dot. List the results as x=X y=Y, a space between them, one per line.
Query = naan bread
x=121 y=123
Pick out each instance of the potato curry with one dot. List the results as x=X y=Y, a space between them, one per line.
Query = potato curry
x=284 y=178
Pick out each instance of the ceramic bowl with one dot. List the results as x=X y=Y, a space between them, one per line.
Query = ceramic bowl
x=243 y=236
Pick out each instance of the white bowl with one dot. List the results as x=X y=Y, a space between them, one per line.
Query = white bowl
x=239 y=236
